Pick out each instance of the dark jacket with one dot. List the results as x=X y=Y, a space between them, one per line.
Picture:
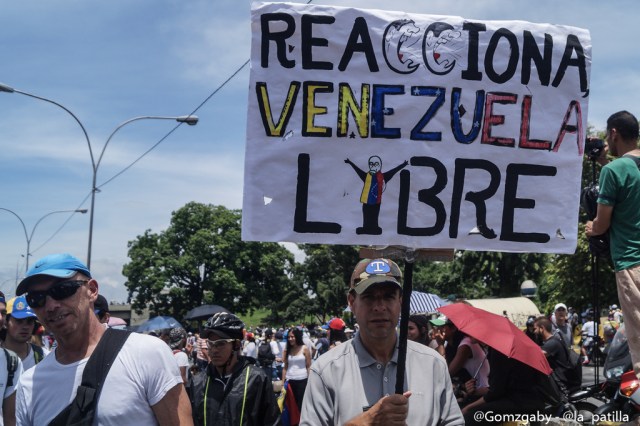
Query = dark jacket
x=510 y=379
x=224 y=403
x=558 y=357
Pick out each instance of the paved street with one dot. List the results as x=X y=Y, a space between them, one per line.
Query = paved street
x=588 y=375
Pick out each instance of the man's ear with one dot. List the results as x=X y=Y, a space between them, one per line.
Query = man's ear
x=92 y=286
x=350 y=298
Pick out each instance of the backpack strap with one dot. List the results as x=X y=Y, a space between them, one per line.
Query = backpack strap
x=38 y=353
x=12 y=365
x=634 y=158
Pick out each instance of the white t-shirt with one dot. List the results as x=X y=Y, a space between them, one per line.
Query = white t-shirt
x=478 y=363
x=143 y=372
x=275 y=348
x=281 y=348
x=30 y=360
x=182 y=359
x=588 y=329
x=250 y=350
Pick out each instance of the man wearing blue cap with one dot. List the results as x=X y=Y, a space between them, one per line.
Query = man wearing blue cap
x=143 y=385
x=21 y=324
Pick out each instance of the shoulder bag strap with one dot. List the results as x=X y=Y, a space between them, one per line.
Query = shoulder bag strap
x=634 y=158
x=103 y=357
x=82 y=409
x=38 y=353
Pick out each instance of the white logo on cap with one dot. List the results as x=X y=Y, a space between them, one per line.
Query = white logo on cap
x=378 y=267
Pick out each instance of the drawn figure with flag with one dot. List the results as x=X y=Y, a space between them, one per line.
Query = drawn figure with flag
x=371 y=197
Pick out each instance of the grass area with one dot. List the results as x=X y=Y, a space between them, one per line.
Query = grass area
x=255 y=319
x=258 y=318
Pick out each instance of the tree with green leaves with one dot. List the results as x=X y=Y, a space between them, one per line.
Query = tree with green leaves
x=478 y=274
x=200 y=259
x=325 y=273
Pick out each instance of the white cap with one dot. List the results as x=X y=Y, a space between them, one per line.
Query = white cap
x=560 y=306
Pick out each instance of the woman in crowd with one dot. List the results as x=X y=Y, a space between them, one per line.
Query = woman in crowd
x=418 y=330
x=468 y=364
x=449 y=338
x=297 y=361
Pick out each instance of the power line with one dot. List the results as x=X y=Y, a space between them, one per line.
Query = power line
x=176 y=126
x=154 y=146
x=162 y=139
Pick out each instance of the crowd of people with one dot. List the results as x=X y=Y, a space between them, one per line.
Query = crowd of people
x=84 y=371
x=223 y=373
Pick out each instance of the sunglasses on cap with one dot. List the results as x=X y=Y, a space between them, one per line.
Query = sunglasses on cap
x=58 y=291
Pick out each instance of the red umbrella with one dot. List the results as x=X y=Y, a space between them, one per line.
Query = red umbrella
x=497 y=332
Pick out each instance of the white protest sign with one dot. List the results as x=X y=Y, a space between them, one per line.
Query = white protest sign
x=376 y=128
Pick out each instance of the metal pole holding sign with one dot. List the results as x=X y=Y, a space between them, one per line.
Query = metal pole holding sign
x=407 y=288
x=409 y=256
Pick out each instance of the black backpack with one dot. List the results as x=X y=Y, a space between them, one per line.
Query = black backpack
x=322 y=345
x=12 y=365
x=265 y=354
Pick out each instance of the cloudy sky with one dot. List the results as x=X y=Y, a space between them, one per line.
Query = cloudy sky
x=108 y=62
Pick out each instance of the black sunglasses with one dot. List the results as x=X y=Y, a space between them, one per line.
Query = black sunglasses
x=58 y=291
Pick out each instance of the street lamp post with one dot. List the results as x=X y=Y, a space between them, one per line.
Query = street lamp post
x=191 y=120
x=29 y=236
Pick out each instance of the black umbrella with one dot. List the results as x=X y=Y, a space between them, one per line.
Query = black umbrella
x=204 y=312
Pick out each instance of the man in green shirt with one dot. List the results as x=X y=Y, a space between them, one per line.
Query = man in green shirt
x=619 y=212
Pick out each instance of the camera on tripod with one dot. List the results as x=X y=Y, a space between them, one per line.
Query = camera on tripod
x=593 y=148
x=598 y=244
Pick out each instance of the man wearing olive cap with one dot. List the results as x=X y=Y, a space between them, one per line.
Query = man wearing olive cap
x=354 y=383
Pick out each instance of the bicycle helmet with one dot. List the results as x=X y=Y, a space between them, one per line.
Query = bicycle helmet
x=225 y=325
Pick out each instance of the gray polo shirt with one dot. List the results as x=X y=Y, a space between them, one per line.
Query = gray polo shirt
x=347 y=380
